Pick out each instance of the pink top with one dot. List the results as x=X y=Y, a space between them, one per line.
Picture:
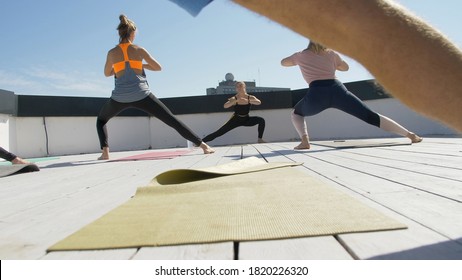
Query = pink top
x=314 y=66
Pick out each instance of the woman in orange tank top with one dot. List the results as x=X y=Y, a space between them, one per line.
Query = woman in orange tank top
x=125 y=63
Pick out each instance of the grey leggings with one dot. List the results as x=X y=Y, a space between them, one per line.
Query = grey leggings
x=150 y=105
x=323 y=94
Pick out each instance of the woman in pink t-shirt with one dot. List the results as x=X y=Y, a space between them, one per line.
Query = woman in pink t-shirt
x=318 y=65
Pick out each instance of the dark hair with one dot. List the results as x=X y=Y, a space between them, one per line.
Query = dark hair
x=126 y=28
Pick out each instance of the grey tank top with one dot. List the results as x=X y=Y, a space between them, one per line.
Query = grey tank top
x=130 y=87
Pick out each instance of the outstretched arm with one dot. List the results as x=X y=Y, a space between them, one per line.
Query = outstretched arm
x=412 y=60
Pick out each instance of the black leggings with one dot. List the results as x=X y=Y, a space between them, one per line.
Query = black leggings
x=150 y=105
x=6 y=155
x=236 y=121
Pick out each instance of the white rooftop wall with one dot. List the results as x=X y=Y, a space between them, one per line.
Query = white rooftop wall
x=52 y=136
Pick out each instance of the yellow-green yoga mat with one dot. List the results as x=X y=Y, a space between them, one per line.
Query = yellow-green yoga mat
x=245 y=200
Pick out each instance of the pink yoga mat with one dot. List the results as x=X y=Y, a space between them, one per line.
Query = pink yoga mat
x=155 y=155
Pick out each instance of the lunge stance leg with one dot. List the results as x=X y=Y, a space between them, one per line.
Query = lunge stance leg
x=231 y=124
x=390 y=125
x=300 y=125
x=352 y=105
x=109 y=110
x=155 y=107
x=254 y=120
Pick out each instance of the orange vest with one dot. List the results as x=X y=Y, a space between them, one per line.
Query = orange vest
x=134 y=64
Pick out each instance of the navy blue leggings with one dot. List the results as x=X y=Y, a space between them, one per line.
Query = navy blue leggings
x=236 y=121
x=323 y=94
x=150 y=105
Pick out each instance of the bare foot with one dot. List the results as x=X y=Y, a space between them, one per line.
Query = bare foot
x=206 y=148
x=105 y=154
x=260 y=140
x=414 y=137
x=302 y=146
x=19 y=160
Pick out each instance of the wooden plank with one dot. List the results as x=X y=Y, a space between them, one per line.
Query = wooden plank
x=439 y=217
x=314 y=248
x=442 y=182
x=440 y=150
x=414 y=158
x=265 y=152
x=438 y=170
x=328 y=159
x=252 y=151
x=120 y=254
x=222 y=251
x=213 y=251
x=26 y=237
x=415 y=243
x=49 y=185
x=222 y=155
x=39 y=209
x=201 y=251
x=375 y=187
x=33 y=230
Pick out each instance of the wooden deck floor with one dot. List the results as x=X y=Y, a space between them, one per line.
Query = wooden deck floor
x=419 y=185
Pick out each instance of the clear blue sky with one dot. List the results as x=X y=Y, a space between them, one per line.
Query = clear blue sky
x=51 y=47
